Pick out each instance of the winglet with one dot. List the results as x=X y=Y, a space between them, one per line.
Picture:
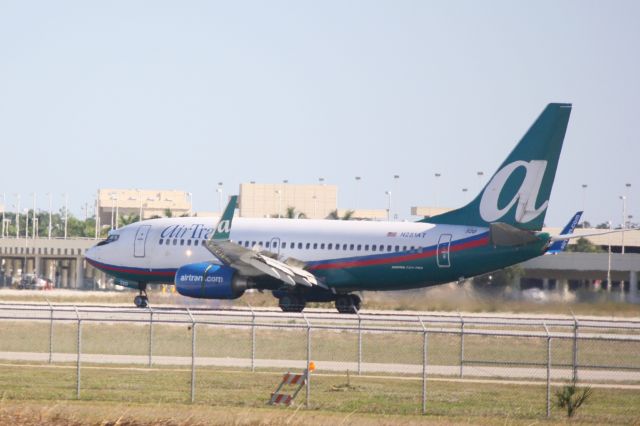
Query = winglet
x=223 y=228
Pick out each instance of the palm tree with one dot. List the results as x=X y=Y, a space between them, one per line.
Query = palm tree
x=129 y=219
x=348 y=215
x=293 y=214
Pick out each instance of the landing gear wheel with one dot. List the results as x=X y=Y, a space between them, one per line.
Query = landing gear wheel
x=348 y=303
x=141 y=300
x=356 y=301
x=292 y=303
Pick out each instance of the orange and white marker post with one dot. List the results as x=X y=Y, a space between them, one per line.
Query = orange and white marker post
x=291 y=379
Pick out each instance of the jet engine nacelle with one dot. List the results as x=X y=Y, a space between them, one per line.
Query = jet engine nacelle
x=206 y=280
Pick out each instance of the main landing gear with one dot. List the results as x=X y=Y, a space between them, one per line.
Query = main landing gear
x=292 y=303
x=141 y=300
x=348 y=303
x=345 y=303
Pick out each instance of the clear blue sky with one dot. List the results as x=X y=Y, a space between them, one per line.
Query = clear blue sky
x=182 y=95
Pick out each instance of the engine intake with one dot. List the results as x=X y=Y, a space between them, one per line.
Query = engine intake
x=206 y=280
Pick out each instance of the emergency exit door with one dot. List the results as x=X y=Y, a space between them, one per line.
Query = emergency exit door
x=443 y=252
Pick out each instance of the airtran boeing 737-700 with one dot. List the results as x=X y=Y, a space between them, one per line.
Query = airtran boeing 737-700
x=302 y=260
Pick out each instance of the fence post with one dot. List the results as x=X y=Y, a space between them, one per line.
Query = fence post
x=253 y=339
x=359 y=343
x=193 y=356
x=79 y=346
x=50 y=332
x=548 y=370
x=308 y=384
x=461 y=344
x=150 y=336
x=575 y=348
x=424 y=366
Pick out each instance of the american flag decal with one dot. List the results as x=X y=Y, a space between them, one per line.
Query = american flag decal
x=392 y=234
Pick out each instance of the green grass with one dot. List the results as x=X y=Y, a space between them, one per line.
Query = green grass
x=242 y=391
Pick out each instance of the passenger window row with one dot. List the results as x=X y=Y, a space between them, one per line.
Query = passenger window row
x=299 y=245
x=181 y=242
x=327 y=246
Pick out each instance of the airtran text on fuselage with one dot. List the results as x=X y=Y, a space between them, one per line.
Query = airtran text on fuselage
x=197 y=231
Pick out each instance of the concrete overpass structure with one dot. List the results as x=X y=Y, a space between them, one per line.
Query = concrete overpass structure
x=589 y=268
x=60 y=260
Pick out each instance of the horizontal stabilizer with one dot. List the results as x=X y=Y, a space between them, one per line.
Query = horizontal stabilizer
x=503 y=234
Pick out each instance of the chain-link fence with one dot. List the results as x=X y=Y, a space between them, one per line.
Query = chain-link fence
x=377 y=362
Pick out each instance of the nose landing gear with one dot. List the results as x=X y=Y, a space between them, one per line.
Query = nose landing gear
x=141 y=300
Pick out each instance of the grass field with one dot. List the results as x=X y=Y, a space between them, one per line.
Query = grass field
x=37 y=394
x=241 y=398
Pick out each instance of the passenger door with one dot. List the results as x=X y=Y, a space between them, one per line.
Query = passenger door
x=140 y=241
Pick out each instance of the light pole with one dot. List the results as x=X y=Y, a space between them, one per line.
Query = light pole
x=26 y=225
x=33 y=224
x=584 y=200
x=117 y=211
x=4 y=200
x=66 y=213
x=437 y=175
x=97 y=218
x=624 y=218
x=113 y=207
x=279 y=202
x=394 y=188
x=358 y=179
x=50 y=204
x=388 y=194
x=219 y=191
x=480 y=174
x=17 y=216
x=315 y=207
x=627 y=187
x=190 y=195
x=464 y=191
x=609 y=264
x=140 y=201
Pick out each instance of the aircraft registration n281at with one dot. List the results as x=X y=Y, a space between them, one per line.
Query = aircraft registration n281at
x=303 y=260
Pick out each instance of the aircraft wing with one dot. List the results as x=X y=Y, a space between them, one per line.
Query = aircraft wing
x=252 y=262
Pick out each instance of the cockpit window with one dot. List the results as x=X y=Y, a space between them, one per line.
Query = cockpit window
x=111 y=238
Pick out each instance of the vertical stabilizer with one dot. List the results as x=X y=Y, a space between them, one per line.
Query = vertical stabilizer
x=518 y=193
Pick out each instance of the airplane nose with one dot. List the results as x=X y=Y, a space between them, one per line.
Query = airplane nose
x=91 y=253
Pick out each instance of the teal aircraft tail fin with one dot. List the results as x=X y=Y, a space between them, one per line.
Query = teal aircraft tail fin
x=223 y=228
x=518 y=193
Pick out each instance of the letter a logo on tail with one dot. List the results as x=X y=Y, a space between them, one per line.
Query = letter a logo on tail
x=223 y=228
x=525 y=196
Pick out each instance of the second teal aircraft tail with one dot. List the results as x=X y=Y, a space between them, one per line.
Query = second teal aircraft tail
x=518 y=193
